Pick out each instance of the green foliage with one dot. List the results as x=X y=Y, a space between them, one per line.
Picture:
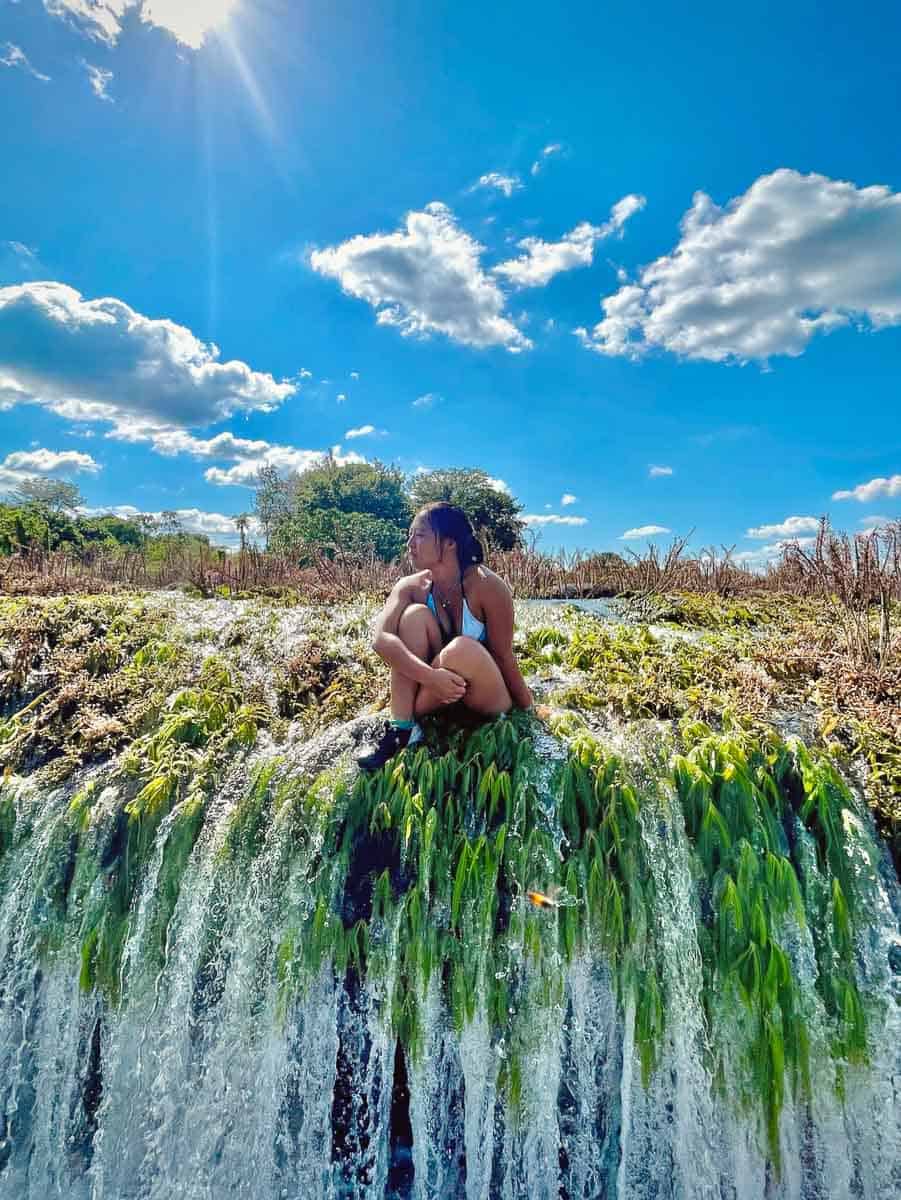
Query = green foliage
x=55 y=495
x=40 y=526
x=739 y=794
x=102 y=667
x=493 y=514
x=357 y=509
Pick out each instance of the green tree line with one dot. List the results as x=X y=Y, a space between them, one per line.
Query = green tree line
x=353 y=509
x=361 y=508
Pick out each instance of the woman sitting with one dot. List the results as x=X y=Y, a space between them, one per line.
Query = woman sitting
x=446 y=631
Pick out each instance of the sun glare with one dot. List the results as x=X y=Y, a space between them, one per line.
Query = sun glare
x=188 y=20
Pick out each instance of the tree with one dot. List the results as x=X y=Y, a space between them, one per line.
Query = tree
x=170 y=523
x=57 y=495
x=272 y=501
x=493 y=513
x=111 y=532
x=242 y=520
x=357 y=508
x=371 y=488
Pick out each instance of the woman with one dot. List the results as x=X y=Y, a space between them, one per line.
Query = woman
x=446 y=631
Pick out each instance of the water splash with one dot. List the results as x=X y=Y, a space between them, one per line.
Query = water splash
x=282 y=935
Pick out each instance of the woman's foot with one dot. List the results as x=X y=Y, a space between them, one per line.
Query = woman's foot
x=394 y=739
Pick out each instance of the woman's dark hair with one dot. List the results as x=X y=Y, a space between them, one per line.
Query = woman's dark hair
x=448 y=521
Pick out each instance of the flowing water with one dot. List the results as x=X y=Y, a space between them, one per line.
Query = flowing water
x=225 y=1006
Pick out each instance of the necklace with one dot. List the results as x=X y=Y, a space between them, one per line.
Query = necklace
x=445 y=604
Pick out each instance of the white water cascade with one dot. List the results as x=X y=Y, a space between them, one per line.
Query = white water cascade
x=205 y=1078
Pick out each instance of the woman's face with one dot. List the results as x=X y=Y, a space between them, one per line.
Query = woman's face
x=424 y=547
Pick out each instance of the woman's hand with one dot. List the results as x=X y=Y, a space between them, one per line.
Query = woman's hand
x=447 y=685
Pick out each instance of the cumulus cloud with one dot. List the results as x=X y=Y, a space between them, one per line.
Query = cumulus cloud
x=552 y=519
x=100 y=19
x=659 y=472
x=24 y=464
x=424 y=278
x=355 y=375
x=541 y=261
x=217 y=526
x=15 y=56
x=791 y=527
x=765 y=555
x=99 y=81
x=499 y=485
x=247 y=454
x=864 y=492
x=568 y=498
x=643 y=531
x=426 y=400
x=303 y=373
x=508 y=184
x=100 y=360
x=360 y=431
x=795 y=256
x=875 y=522
x=548 y=152
x=189 y=23
x=341 y=397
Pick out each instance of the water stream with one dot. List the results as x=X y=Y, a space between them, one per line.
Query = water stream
x=232 y=1007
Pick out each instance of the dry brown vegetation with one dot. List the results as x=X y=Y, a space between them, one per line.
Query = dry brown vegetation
x=859 y=575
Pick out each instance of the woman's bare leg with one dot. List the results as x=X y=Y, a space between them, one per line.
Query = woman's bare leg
x=420 y=633
x=486 y=691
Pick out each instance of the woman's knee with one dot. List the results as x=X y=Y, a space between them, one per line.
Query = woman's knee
x=462 y=652
x=414 y=621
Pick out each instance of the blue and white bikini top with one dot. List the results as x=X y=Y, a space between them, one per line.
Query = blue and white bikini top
x=472 y=627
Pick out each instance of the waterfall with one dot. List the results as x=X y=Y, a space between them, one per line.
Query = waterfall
x=323 y=986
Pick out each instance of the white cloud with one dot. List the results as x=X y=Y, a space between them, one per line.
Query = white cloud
x=247 y=454
x=425 y=278
x=427 y=400
x=643 y=531
x=552 y=519
x=875 y=522
x=568 y=498
x=361 y=431
x=100 y=19
x=791 y=527
x=99 y=81
x=341 y=397
x=864 y=492
x=303 y=373
x=763 y=555
x=51 y=460
x=24 y=253
x=188 y=21
x=355 y=374
x=659 y=472
x=15 y=56
x=499 y=485
x=549 y=150
x=541 y=260
x=794 y=256
x=217 y=526
x=24 y=464
x=100 y=360
x=508 y=184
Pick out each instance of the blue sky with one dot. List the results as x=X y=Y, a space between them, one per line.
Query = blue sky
x=642 y=264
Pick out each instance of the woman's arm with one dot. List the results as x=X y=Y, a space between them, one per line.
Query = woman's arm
x=497 y=602
x=385 y=641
